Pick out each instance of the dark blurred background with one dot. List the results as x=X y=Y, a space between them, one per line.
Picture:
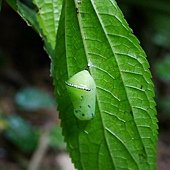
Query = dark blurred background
x=30 y=136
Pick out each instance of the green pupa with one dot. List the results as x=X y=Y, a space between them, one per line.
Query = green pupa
x=82 y=91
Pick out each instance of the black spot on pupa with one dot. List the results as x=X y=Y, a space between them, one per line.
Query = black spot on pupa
x=83 y=115
x=81 y=97
x=77 y=10
x=89 y=106
x=77 y=111
x=141 y=87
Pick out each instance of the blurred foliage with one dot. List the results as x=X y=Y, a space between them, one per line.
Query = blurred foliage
x=162 y=67
x=32 y=99
x=21 y=133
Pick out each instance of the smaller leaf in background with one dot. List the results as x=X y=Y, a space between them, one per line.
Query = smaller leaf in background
x=33 y=99
x=56 y=138
x=20 y=133
x=163 y=68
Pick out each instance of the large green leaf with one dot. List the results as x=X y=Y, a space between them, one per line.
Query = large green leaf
x=123 y=133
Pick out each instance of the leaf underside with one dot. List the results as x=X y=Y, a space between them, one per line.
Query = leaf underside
x=123 y=133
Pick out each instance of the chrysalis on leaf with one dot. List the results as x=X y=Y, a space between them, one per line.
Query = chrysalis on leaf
x=82 y=90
